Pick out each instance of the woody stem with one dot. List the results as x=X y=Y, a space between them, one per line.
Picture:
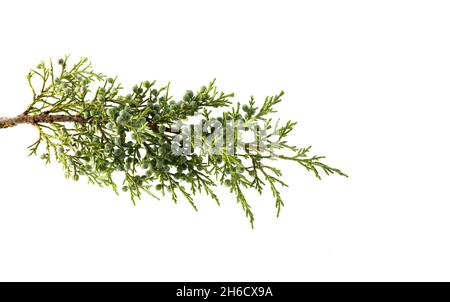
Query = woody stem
x=6 y=122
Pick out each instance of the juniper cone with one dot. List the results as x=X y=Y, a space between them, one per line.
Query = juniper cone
x=147 y=141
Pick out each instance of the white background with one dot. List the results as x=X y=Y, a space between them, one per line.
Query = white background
x=367 y=80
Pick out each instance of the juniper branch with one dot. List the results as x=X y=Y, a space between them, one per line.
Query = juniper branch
x=92 y=130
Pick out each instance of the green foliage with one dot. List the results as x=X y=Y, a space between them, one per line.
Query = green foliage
x=128 y=138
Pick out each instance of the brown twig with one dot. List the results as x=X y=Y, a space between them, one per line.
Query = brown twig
x=24 y=118
x=40 y=118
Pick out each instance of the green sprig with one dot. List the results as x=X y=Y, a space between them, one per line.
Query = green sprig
x=129 y=138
